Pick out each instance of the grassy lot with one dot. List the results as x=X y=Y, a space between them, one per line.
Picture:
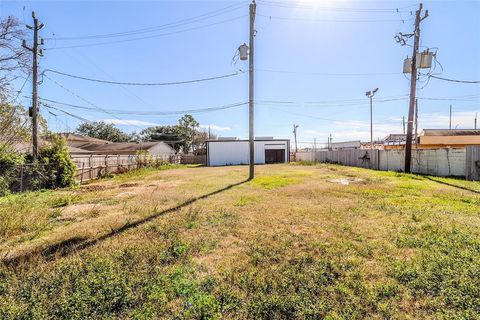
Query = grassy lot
x=299 y=241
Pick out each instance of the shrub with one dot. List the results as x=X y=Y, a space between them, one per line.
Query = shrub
x=8 y=173
x=59 y=169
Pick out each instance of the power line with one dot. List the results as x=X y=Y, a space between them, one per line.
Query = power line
x=175 y=24
x=148 y=37
x=65 y=112
x=157 y=113
x=340 y=9
x=328 y=20
x=328 y=74
x=452 y=80
x=144 y=83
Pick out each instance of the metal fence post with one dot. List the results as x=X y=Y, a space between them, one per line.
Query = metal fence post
x=81 y=177
x=21 y=178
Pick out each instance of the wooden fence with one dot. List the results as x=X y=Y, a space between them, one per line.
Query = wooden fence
x=97 y=166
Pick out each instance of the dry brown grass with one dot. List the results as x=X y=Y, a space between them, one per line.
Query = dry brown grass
x=287 y=212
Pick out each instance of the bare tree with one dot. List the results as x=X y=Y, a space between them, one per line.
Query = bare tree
x=14 y=64
x=14 y=59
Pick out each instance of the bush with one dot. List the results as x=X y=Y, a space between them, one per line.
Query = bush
x=59 y=169
x=8 y=164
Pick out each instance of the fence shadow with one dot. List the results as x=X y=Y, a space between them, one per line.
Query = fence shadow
x=68 y=246
x=452 y=185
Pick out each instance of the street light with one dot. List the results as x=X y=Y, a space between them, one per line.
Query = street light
x=370 y=95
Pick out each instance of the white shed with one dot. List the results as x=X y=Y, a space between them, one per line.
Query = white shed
x=226 y=152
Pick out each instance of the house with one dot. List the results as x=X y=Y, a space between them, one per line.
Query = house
x=130 y=148
x=80 y=144
x=454 y=138
x=232 y=151
x=345 y=145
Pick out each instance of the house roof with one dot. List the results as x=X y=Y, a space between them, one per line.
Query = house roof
x=450 y=132
x=395 y=136
x=122 y=146
x=81 y=138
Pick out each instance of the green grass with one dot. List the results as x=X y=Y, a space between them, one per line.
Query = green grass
x=288 y=245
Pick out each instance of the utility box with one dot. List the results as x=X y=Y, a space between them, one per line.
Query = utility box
x=424 y=61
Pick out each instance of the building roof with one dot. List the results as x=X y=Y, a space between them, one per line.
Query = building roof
x=81 y=138
x=395 y=137
x=450 y=132
x=122 y=146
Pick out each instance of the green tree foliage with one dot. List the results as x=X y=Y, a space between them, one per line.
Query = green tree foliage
x=169 y=134
x=188 y=127
x=103 y=130
x=59 y=167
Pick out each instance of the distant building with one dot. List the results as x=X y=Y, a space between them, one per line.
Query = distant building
x=345 y=145
x=231 y=151
x=130 y=148
x=455 y=138
x=80 y=144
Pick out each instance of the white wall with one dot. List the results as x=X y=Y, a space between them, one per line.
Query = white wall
x=437 y=162
x=226 y=153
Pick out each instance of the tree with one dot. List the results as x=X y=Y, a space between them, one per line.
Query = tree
x=102 y=130
x=199 y=141
x=188 y=128
x=14 y=58
x=168 y=134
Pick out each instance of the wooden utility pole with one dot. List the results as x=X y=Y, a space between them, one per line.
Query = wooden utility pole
x=34 y=111
x=416 y=120
x=450 y=123
x=413 y=89
x=295 y=126
x=251 y=105
x=476 y=114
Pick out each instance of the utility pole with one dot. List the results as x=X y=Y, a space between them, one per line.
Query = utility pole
x=314 y=144
x=370 y=95
x=209 y=133
x=416 y=120
x=34 y=109
x=295 y=126
x=475 y=127
x=413 y=88
x=450 y=125
x=403 y=122
x=251 y=106
x=330 y=142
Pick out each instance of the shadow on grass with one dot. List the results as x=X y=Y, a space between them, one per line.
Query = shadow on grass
x=451 y=185
x=74 y=244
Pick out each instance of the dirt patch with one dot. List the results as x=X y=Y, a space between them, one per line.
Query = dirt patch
x=94 y=187
x=128 y=185
x=345 y=181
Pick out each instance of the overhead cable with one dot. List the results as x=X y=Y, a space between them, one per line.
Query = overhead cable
x=144 y=83
x=169 y=25
x=147 y=37
x=154 y=113
x=327 y=20
x=453 y=80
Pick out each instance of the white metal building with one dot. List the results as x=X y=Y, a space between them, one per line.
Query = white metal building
x=227 y=152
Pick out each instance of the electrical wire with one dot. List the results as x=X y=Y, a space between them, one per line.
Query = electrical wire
x=65 y=112
x=452 y=80
x=148 y=37
x=178 y=23
x=152 y=113
x=325 y=20
x=340 y=9
x=144 y=83
x=328 y=74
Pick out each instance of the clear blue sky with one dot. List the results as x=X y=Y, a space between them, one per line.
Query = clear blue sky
x=323 y=49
